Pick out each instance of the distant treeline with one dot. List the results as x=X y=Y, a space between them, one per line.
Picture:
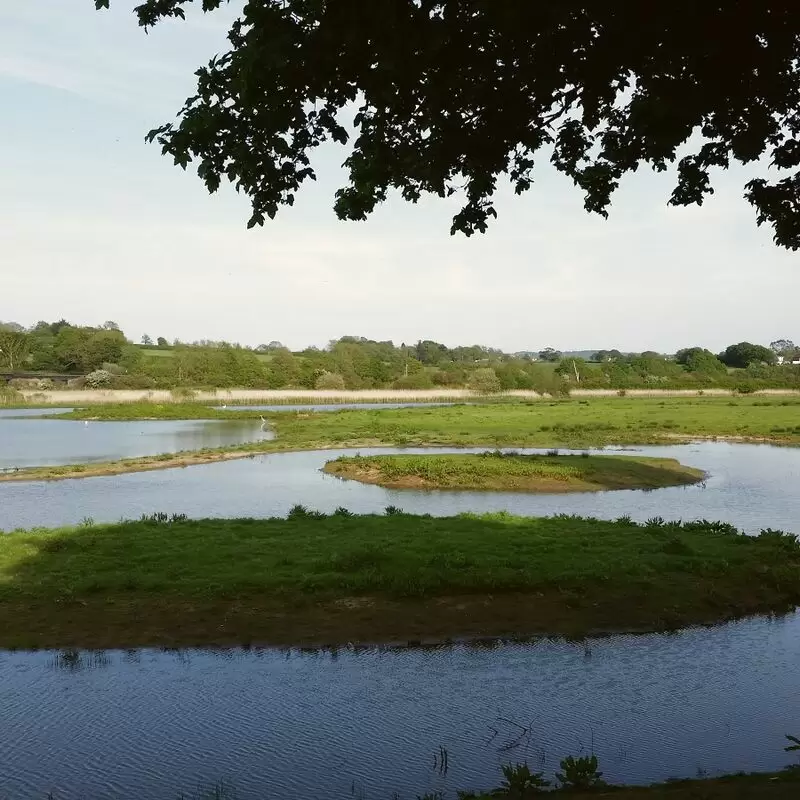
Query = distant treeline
x=102 y=356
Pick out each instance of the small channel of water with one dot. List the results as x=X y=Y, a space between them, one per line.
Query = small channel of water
x=751 y=486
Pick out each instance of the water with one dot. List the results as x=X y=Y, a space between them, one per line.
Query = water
x=50 y=442
x=751 y=486
x=21 y=413
x=368 y=723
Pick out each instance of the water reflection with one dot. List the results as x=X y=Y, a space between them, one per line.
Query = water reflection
x=298 y=723
x=50 y=442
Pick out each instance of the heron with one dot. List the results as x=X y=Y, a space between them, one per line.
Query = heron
x=263 y=422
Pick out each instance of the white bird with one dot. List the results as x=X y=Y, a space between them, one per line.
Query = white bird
x=263 y=422
x=86 y=423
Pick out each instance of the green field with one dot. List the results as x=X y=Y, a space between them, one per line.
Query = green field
x=322 y=579
x=514 y=472
x=540 y=423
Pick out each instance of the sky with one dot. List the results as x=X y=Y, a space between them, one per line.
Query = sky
x=96 y=225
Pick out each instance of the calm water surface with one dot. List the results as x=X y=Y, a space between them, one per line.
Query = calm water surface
x=751 y=486
x=368 y=723
x=26 y=442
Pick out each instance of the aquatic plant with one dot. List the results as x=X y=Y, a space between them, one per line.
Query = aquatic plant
x=580 y=774
x=520 y=783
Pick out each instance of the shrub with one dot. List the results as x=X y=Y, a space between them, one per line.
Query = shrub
x=519 y=782
x=133 y=382
x=484 y=381
x=182 y=393
x=114 y=369
x=44 y=384
x=418 y=380
x=24 y=383
x=99 y=379
x=329 y=380
x=580 y=774
x=9 y=396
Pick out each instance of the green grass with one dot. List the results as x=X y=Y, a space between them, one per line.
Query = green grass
x=515 y=472
x=537 y=423
x=561 y=423
x=343 y=577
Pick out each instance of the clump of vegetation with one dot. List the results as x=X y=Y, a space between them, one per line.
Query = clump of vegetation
x=162 y=518
x=520 y=783
x=485 y=381
x=580 y=774
x=9 y=396
x=99 y=379
x=330 y=380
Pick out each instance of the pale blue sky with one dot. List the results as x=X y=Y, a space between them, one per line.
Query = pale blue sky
x=97 y=225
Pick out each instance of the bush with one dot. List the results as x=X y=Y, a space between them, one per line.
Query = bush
x=76 y=383
x=329 y=380
x=99 y=379
x=9 y=396
x=114 y=369
x=44 y=384
x=580 y=774
x=519 y=782
x=484 y=381
x=419 y=380
x=134 y=382
x=24 y=383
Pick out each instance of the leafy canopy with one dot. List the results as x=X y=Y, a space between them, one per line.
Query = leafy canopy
x=452 y=94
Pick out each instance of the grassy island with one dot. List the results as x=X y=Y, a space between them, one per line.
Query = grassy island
x=321 y=579
x=514 y=472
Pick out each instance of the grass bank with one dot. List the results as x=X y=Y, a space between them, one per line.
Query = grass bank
x=780 y=785
x=514 y=472
x=322 y=579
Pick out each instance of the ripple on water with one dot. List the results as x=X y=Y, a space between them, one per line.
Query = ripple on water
x=316 y=724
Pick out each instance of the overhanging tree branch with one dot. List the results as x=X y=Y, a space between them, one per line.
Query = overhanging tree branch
x=453 y=94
